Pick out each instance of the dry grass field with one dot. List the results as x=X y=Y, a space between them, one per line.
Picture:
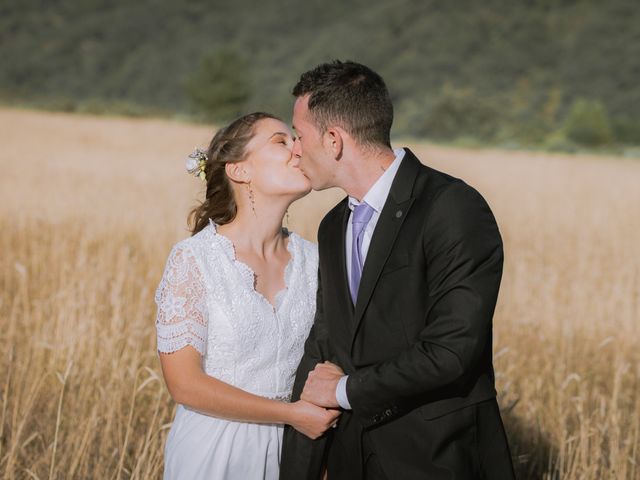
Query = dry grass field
x=90 y=207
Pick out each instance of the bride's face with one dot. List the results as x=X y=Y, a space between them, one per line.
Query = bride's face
x=274 y=169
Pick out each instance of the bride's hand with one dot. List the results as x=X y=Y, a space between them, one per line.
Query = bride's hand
x=311 y=420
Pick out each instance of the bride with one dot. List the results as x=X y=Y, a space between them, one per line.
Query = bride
x=235 y=305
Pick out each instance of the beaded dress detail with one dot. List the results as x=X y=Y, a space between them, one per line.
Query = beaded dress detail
x=207 y=299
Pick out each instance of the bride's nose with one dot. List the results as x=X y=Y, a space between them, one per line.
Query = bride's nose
x=295 y=159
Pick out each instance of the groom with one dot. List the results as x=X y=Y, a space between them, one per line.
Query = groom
x=410 y=267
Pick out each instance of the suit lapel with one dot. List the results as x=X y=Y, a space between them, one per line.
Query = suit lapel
x=337 y=237
x=391 y=219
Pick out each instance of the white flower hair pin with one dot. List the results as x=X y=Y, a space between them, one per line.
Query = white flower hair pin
x=196 y=162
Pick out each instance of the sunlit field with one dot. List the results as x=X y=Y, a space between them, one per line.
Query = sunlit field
x=91 y=206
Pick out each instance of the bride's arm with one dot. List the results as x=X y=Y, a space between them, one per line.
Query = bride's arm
x=189 y=385
x=181 y=326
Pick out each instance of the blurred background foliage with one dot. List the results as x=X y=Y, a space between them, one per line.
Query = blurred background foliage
x=558 y=74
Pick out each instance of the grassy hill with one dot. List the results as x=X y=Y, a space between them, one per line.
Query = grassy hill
x=495 y=71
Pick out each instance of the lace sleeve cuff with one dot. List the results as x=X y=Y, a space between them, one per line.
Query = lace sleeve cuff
x=172 y=338
x=182 y=311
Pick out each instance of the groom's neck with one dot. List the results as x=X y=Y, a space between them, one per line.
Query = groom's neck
x=364 y=170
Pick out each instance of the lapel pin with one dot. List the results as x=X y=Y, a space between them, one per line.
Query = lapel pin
x=398 y=213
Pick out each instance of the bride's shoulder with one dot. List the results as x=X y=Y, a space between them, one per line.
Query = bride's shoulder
x=308 y=249
x=191 y=245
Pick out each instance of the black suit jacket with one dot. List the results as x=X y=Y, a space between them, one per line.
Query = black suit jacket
x=417 y=346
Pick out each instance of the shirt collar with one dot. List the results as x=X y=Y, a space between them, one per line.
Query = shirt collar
x=379 y=191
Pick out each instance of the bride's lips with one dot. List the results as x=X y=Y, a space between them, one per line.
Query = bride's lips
x=295 y=163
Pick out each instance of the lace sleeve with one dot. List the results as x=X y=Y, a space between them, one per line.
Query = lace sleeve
x=182 y=314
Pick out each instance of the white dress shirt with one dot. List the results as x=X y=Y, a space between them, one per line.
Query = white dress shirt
x=376 y=197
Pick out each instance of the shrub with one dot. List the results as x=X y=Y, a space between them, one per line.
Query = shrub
x=219 y=88
x=587 y=123
x=461 y=113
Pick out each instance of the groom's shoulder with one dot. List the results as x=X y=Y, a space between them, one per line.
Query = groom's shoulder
x=436 y=178
x=429 y=178
x=431 y=183
x=438 y=188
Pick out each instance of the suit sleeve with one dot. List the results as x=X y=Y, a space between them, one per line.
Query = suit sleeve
x=464 y=256
x=316 y=348
x=301 y=456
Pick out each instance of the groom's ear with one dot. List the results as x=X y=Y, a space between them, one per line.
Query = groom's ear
x=237 y=172
x=335 y=140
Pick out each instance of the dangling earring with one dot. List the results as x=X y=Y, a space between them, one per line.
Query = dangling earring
x=287 y=217
x=252 y=199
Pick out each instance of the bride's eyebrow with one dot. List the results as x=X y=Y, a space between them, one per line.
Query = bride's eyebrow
x=284 y=134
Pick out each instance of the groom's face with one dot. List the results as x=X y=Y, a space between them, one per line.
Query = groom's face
x=316 y=160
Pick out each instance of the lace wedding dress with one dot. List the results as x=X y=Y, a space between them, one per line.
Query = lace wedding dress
x=207 y=299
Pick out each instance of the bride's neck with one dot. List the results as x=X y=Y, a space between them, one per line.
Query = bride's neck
x=258 y=231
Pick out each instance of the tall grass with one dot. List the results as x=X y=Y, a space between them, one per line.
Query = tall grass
x=91 y=206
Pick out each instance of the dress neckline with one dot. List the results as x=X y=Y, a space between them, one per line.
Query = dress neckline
x=247 y=273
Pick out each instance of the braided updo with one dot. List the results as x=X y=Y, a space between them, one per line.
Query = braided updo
x=227 y=146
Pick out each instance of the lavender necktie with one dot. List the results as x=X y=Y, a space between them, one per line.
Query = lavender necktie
x=361 y=215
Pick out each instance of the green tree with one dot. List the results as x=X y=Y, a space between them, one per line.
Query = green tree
x=588 y=124
x=219 y=88
x=461 y=113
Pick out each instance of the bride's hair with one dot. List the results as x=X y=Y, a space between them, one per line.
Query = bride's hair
x=227 y=146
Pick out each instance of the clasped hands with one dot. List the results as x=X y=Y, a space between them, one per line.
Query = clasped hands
x=320 y=388
x=318 y=409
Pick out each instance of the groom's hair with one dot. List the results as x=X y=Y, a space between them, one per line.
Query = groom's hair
x=351 y=96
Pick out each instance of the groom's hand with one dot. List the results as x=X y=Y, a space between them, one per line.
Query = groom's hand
x=321 y=384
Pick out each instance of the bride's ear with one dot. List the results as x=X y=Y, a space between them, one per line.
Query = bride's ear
x=237 y=172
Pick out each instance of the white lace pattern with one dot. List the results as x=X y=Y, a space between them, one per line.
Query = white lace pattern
x=207 y=299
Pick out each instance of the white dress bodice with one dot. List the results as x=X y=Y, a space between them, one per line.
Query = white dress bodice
x=207 y=299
